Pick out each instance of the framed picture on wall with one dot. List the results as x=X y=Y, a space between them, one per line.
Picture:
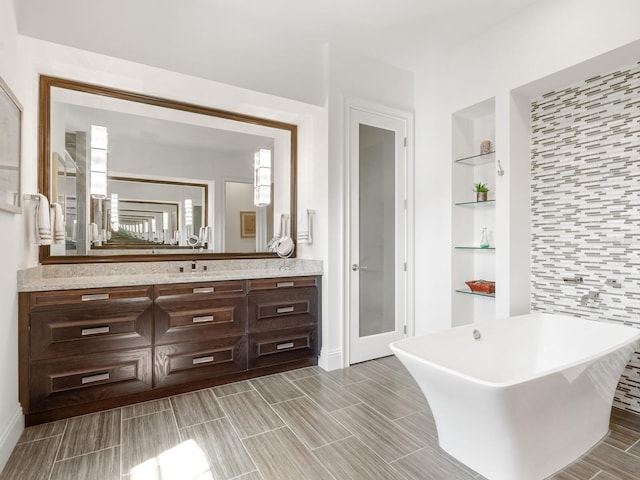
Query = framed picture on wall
x=247 y=224
x=10 y=133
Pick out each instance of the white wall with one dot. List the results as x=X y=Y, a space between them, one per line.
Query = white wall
x=12 y=246
x=540 y=47
x=238 y=197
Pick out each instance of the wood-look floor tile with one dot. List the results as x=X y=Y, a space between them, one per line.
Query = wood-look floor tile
x=145 y=408
x=578 y=470
x=415 y=465
x=302 y=373
x=225 y=453
x=196 y=407
x=377 y=432
x=38 y=432
x=393 y=363
x=621 y=437
x=90 y=433
x=635 y=449
x=422 y=426
x=232 y=388
x=32 y=460
x=350 y=458
x=249 y=413
x=276 y=388
x=279 y=455
x=614 y=461
x=386 y=377
x=310 y=423
x=389 y=403
x=345 y=376
x=250 y=476
x=146 y=437
x=326 y=393
x=605 y=476
x=102 y=465
x=415 y=395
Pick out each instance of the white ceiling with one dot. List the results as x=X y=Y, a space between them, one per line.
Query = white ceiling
x=192 y=36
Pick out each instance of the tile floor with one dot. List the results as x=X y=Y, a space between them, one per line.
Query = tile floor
x=369 y=421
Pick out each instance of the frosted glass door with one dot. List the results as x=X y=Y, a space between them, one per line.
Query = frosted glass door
x=377 y=234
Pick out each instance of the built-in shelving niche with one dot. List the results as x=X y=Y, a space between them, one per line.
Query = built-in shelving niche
x=470 y=127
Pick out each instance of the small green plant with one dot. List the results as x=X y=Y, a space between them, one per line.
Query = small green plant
x=480 y=188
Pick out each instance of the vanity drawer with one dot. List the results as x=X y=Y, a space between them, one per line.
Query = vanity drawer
x=65 y=382
x=181 y=321
x=283 y=309
x=280 y=283
x=90 y=296
x=199 y=290
x=282 y=346
x=188 y=362
x=74 y=330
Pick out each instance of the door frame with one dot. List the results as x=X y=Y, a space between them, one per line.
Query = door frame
x=354 y=103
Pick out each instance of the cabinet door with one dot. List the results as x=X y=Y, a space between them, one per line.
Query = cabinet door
x=64 y=330
x=85 y=378
x=282 y=346
x=286 y=308
x=188 y=362
x=192 y=318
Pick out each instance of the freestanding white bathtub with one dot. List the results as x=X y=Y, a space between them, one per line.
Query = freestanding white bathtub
x=528 y=397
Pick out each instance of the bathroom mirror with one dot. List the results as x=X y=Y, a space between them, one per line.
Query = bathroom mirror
x=145 y=178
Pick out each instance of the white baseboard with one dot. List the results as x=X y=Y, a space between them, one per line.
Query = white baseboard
x=330 y=360
x=10 y=435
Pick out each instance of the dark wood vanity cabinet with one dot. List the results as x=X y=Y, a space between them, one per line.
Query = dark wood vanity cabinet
x=87 y=350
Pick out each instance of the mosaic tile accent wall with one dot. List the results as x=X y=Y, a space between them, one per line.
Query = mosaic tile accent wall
x=585 y=206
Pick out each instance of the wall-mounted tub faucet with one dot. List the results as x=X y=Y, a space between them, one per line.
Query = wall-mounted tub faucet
x=573 y=280
x=589 y=296
x=477 y=335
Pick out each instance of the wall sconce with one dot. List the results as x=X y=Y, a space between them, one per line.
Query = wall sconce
x=99 y=142
x=115 y=220
x=262 y=178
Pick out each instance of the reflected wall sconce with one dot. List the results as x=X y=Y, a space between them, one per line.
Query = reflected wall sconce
x=99 y=142
x=262 y=178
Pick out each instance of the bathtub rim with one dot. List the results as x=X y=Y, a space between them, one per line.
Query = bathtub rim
x=524 y=378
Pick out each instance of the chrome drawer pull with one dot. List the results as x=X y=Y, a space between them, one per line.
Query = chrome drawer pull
x=283 y=346
x=95 y=378
x=95 y=330
x=284 y=284
x=204 y=318
x=203 y=290
x=199 y=360
x=285 y=309
x=95 y=296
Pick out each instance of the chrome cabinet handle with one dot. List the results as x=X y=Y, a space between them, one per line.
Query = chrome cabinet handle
x=205 y=359
x=203 y=290
x=284 y=284
x=283 y=346
x=94 y=331
x=95 y=296
x=355 y=267
x=204 y=318
x=95 y=378
x=285 y=309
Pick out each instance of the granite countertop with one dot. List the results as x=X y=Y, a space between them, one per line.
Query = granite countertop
x=74 y=276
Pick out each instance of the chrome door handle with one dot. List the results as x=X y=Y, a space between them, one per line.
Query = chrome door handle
x=355 y=267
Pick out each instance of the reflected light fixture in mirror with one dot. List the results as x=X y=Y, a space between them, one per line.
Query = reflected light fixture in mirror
x=99 y=144
x=115 y=220
x=262 y=178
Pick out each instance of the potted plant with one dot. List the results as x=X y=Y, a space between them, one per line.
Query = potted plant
x=481 y=192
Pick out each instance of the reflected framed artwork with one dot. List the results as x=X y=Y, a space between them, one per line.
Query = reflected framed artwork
x=247 y=224
x=10 y=134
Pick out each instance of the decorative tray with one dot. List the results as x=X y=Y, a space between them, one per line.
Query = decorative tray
x=482 y=286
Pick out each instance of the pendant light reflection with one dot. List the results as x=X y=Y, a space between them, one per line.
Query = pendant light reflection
x=262 y=178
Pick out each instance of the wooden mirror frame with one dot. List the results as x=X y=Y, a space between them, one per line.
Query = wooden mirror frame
x=44 y=164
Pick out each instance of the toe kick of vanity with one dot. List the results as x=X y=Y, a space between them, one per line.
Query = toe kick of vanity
x=86 y=350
